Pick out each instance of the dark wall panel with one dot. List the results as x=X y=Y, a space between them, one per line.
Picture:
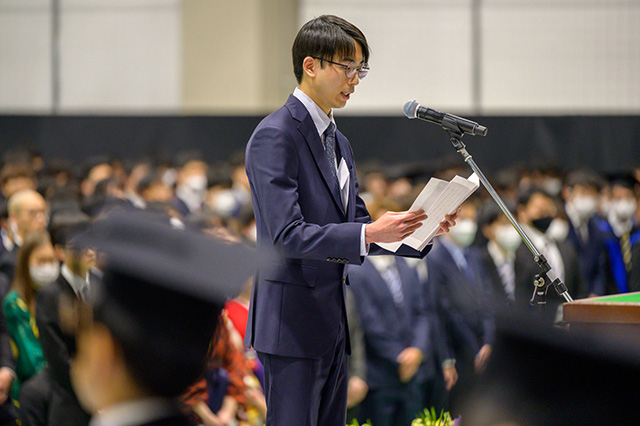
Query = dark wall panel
x=604 y=143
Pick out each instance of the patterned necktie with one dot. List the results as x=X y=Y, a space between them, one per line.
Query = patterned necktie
x=625 y=246
x=508 y=278
x=394 y=282
x=330 y=151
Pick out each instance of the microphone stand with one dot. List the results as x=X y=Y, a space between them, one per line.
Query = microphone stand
x=547 y=277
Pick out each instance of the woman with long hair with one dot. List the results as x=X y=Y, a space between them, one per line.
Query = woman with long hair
x=36 y=266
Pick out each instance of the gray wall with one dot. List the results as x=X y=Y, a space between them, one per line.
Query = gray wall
x=233 y=57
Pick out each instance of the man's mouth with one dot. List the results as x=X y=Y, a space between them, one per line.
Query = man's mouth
x=346 y=95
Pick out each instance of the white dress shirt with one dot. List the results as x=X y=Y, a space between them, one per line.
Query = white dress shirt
x=322 y=121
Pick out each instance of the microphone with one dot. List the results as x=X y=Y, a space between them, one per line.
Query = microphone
x=413 y=109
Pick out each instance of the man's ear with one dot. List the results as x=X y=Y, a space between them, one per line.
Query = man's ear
x=60 y=252
x=310 y=66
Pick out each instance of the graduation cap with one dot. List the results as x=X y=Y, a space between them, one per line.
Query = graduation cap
x=161 y=293
x=548 y=376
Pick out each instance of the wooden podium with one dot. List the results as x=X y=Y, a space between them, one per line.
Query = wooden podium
x=617 y=316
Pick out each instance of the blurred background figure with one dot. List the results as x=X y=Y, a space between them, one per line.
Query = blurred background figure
x=536 y=211
x=36 y=267
x=581 y=195
x=73 y=283
x=191 y=183
x=396 y=327
x=497 y=251
x=621 y=229
x=27 y=213
x=459 y=290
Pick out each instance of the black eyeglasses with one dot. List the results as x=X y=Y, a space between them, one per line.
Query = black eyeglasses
x=350 y=69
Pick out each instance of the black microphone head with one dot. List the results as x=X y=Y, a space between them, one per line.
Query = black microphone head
x=410 y=108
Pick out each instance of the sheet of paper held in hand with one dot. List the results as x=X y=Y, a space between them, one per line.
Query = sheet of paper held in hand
x=437 y=199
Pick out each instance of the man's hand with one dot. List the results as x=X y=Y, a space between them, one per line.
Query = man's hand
x=482 y=358
x=6 y=379
x=409 y=360
x=450 y=377
x=356 y=391
x=448 y=222
x=394 y=226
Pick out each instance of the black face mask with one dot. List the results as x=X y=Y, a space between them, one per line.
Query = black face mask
x=542 y=224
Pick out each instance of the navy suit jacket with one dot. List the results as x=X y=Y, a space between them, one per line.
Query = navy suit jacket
x=298 y=302
x=389 y=328
x=592 y=255
x=464 y=306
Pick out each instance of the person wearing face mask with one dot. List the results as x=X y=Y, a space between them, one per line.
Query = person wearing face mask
x=535 y=212
x=580 y=194
x=465 y=325
x=621 y=231
x=497 y=253
x=73 y=283
x=191 y=184
x=36 y=267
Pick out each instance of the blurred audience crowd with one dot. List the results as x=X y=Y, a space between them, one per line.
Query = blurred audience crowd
x=422 y=331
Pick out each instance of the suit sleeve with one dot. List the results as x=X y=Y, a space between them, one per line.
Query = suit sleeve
x=272 y=166
x=54 y=345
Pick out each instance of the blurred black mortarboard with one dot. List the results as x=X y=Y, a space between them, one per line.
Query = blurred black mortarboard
x=161 y=293
x=548 y=376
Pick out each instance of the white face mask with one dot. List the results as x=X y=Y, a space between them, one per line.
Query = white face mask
x=552 y=185
x=464 y=232
x=196 y=183
x=624 y=209
x=44 y=274
x=508 y=238
x=585 y=206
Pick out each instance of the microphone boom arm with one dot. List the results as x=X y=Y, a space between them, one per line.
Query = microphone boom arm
x=540 y=285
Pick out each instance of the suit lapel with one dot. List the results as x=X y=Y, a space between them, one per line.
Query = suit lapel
x=310 y=134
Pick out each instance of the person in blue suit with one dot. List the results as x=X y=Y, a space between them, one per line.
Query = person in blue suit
x=310 y=218
x=464 y=332
x=396 y=325
x=580 y=193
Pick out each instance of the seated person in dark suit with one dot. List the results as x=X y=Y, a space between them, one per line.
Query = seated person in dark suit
x=465 y=326
x=27 y=213
x=536 y=211
x=57 y=345
x=146 y=333
x=581 y=196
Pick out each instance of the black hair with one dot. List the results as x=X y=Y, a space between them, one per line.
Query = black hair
x=584 y=177
x=66 y=224
x=525 y=196
x=325 y=37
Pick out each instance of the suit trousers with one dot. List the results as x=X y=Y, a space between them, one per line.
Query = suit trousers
x=307 y=391
x=393 y=405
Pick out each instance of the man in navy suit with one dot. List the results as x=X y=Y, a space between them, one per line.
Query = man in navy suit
x=581 y=196
x=396 y=324
x=308 y=213
x=464 y=331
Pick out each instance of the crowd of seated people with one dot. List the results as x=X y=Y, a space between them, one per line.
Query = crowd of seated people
x=422 y=331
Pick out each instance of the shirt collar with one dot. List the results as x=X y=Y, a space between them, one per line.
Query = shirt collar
x=77 y=282
x=137 y=412
x=320 y=119
x=498 y=255
x=382 y=263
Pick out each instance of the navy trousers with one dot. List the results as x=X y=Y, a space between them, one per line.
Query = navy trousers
x=307 y=391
